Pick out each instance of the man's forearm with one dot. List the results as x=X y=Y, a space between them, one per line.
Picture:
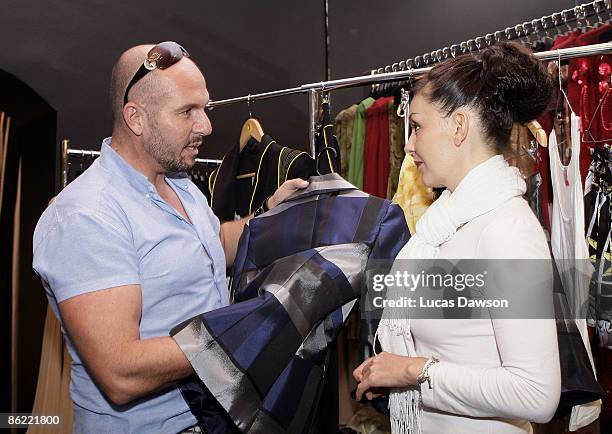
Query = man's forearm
x=230 y=235
x=146 y=366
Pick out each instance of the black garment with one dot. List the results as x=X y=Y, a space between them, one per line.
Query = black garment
x=271 y=164
x=598 y=208
x=78 y=164
x=200 y=174
x=326 y=145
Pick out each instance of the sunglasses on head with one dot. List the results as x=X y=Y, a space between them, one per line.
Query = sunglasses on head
x=162 y=56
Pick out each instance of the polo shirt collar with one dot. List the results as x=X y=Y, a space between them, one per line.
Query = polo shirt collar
x=112 y=161
x=180 y=179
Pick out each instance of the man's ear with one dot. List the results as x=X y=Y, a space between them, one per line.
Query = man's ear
x=460 y=124
x=134 y=118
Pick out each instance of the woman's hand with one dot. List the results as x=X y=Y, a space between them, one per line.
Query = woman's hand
x=387 y=370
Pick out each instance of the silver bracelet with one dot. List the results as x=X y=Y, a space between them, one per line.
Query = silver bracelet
x=424 y=375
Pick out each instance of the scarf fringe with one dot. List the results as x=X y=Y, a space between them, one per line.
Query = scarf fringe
x=406 y=412
x=397 y=326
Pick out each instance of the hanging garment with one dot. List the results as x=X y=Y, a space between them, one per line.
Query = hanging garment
x=396 y=151
x=534 y=196
x=355 y=170
x=344 y=133
x=568 y=219
x=547 y=122
x=327 y=150
x=376 y=148
x=569 y=248
x=234 y=192
x=598 y=201
x=200 y=175
x=52 y=390
x=78 y=165
x=521 y=153
x=588 y=83
x=543 y=168
x=412 y=195
x=264 y=358
x=588 y=89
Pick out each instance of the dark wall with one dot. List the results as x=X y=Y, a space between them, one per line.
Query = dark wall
x=366 y=35
x=32 y=140
x=65 y=50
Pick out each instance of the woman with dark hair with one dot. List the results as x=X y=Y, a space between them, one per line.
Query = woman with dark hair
x=471 y=375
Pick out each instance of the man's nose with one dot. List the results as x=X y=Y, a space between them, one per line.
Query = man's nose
x=202 y=124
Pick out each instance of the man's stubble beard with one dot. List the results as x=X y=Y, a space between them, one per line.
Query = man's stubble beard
x=164 y=153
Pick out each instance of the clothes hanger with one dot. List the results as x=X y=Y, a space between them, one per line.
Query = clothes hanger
x=403 y=109
x=564 y=18
x=546 y=38
x=318 y=157
x=582 y=20
x=600 y=11
x=320 y=124
x=250 y=129
x=557 y=19
x=556 y=118
x=538 y=132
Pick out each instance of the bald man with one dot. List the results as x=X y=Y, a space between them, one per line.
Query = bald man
x=131 y=248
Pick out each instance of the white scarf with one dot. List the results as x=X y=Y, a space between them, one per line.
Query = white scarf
x=486 y=187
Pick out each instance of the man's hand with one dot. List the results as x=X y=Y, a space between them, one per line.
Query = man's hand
x=231 y=231
x=287 y=189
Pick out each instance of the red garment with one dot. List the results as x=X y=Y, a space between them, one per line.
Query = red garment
x=376 y=148
x=588 y=82
x=588 y=79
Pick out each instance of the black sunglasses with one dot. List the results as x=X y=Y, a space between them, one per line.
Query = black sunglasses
x=162 y=56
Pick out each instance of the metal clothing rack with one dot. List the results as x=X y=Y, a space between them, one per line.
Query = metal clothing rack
x=417 y=66
x=537 y=27
x=315 y=90
x=66 y=152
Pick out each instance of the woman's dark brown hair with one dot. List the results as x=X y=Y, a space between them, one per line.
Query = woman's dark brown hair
x=504 y=83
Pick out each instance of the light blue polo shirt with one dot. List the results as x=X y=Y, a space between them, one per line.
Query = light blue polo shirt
x=110 y=228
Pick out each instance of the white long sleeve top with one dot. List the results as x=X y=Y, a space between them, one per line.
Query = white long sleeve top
x=494 y=375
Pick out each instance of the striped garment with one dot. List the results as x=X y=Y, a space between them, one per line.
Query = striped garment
x=261 y=362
